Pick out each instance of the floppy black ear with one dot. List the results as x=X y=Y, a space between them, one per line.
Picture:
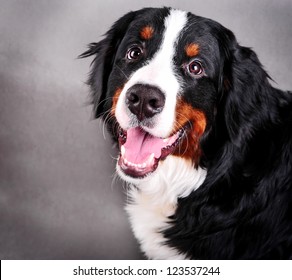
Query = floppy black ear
x=247 y=93
x=102 y=64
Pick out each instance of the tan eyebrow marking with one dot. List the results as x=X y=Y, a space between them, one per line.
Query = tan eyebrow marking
x=192 y=49
x=147 y=32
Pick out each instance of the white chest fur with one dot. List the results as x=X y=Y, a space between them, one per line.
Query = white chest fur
x=154 y=199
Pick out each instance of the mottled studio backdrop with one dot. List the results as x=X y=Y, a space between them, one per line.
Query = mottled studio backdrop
x=57 y=195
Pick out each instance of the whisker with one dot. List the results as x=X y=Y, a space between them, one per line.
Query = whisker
x=99 y=103
x=182 y=115
x=187 y=142
x=178 y=126
x=105 y=122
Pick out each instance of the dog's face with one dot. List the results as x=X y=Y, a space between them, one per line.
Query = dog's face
x=157 y=78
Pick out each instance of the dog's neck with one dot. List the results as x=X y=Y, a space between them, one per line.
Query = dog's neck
x=154 y=200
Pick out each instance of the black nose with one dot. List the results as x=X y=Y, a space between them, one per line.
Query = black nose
x=145 y=101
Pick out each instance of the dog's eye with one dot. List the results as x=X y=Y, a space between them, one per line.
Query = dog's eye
x=134 y=53
x=195 y=68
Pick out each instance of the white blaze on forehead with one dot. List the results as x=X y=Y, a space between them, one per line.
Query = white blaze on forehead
x=174 y=24
x=160 y=72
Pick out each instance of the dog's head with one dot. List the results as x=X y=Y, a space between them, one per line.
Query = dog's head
x=164 y=80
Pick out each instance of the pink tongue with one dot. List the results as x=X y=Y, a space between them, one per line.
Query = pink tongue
x=140 y=145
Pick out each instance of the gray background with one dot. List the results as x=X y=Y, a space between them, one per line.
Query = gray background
x=58 y=199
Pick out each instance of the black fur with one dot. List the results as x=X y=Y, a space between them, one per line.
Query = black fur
x=243 y=209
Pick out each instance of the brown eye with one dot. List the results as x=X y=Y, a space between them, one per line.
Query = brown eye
x=134 y=53
x=195 y=68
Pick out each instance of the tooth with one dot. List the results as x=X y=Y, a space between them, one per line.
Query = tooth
x=165 y=140
x=123 y=150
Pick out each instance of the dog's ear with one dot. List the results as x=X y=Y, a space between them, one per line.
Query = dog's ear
x=246 y=91
x=104 y=52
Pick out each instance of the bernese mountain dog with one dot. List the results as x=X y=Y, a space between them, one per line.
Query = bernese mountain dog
x=205 y=140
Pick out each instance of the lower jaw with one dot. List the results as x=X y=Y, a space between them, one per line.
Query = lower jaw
x=134 y=180
x=136 y=173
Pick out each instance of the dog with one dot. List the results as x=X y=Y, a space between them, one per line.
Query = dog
x=205 y=141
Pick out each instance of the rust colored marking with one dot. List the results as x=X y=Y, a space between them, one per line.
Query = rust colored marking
x=147 y=32
x=115 y=100
x=189 y=148
x=192 y=49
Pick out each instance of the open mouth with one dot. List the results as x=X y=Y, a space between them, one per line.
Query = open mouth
x=140 y=152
